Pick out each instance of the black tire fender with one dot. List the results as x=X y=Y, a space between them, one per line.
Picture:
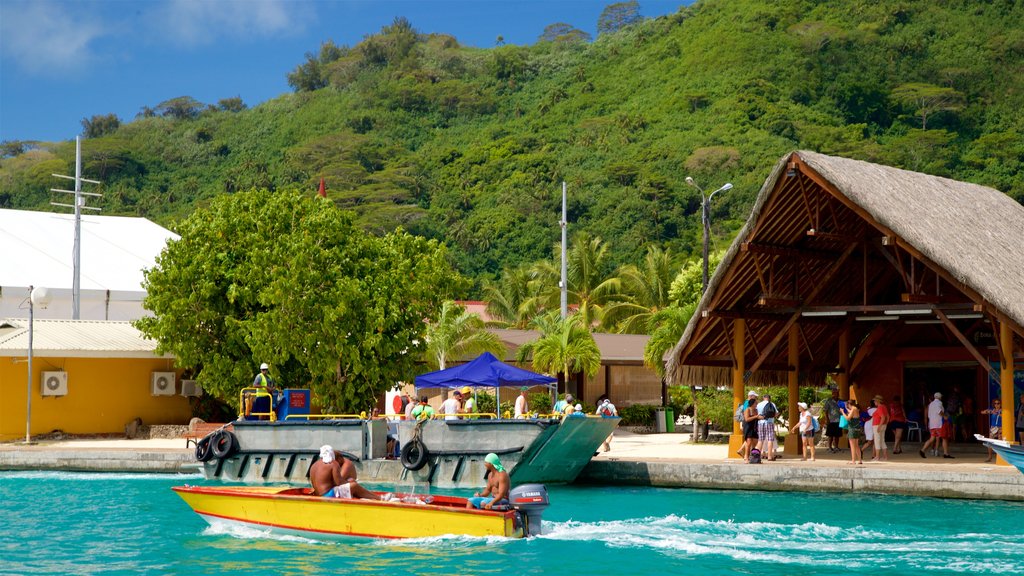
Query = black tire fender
x=223 y=444
x=203 y=450
x=414 y=455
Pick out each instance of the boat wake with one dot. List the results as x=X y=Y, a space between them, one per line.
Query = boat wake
x=808 y=544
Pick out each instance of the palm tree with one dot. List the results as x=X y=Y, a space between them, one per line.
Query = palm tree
x=458 y=333
x=565 y=346
x=589 y=284
x=666 y=328
x=510 y=301
x=642 y=292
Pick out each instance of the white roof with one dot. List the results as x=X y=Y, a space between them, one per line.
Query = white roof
x=38 y=250
x=75 y=339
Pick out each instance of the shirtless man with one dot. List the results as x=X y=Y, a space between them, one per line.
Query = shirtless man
x=334 y=476
x=497 y=486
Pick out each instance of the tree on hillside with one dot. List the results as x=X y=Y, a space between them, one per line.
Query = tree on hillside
x=180 y=108
x=394 y=45
x=565 y=346
x=563 y=33
x=234 y=104
x=617 y=16
x=456 y=333
x=643 y=291
x=311 y=74
x=281 y=278
x=100 y=125
x=928 y=99
x=687 y=286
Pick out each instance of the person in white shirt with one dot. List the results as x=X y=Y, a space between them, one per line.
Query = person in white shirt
x=521 y=407
x=935 y=414
x=806 y=428
x=606 y=409
x=451 y=407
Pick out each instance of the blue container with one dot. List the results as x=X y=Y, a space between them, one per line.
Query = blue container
x=294 y=401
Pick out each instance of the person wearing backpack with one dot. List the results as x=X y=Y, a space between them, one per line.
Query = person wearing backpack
x=745 y=426
x=767 y=411
x=806 y=427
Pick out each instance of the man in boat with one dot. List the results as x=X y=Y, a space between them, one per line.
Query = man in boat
x=498 y=485
x=333 y=476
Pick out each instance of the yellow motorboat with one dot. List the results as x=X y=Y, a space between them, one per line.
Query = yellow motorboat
x=298 y=511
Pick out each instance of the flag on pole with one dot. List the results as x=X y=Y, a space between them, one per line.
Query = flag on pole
x=323 y=188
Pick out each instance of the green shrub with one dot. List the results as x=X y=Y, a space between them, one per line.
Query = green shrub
x=637 y=415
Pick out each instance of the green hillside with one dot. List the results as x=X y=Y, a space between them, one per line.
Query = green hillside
x=470 y=145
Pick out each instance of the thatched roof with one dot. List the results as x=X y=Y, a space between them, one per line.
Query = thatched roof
x=973 y=234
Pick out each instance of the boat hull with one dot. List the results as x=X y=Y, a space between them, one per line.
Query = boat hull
x=543 y=451
x=1012 y=453
x=296 y=511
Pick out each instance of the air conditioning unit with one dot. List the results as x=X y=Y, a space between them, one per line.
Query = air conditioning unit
x=191 y=388
x=163 y=383
x=54 y=384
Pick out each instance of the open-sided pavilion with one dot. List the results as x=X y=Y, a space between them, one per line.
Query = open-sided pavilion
x=892 y=282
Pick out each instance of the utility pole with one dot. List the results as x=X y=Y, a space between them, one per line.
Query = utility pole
x=563 y=285
x=79 y=205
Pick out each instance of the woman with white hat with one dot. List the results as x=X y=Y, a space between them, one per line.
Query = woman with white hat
x=806 y=427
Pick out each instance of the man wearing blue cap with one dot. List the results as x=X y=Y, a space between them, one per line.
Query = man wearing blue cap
x=496 y=493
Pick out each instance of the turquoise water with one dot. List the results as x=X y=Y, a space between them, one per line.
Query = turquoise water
x=69 y=523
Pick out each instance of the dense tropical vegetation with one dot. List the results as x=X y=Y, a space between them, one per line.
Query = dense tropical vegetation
x=468 y=147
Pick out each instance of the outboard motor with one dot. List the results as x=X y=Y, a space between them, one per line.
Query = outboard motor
x=530 y=500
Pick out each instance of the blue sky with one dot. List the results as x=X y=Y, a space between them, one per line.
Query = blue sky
x=62 y=61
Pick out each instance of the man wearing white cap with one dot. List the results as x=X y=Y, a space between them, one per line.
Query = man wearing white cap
x=935 y=414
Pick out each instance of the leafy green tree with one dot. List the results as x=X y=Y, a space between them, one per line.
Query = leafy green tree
x=289 y=280
x=643 y=291
x=11 y=148
x=687 y=287
x=928 y=99
x=180 y=108
x=312 y=74
x=233 y=104
x=457 y=333
x=563 y=33
x=617 y=16
x=100 y=125
x=565 y=346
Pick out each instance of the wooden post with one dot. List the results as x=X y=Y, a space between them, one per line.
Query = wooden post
x=739 y=337
x=793 y=441
x=1006 y=383
x=843 y=378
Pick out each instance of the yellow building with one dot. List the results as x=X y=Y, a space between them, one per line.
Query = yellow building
x=89 y=377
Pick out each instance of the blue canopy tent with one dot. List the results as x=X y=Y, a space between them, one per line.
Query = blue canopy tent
x=485 y=371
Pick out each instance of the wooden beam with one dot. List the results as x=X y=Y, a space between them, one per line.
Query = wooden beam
x=745 y=314
x=965 y=342
x=931 y=299
x=778 y=301
x=822 y=283
x=787 y=251
x=841 y=238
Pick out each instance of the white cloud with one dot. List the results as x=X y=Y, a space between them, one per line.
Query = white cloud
x=46 y=37
x=196 y=22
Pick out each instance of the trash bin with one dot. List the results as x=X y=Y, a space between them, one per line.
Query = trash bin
x=659 y=421
x=670 y=420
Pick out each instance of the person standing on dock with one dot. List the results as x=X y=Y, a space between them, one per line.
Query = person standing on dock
x=498 y=486
x=262 y=382
x=469 y=403
x=832 y=430
x=423 y=410
x=521 y=406
x=766 y=427
x=935 y=415
x=995 y=424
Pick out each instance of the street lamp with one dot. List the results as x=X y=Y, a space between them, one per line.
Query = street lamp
x=705 y=219
x=36 y=297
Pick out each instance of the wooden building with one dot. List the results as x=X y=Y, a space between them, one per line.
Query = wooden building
x=892 y=282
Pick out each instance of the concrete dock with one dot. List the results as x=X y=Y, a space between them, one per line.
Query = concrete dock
x=668 y=460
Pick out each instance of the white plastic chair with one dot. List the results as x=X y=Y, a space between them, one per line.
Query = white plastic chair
x=912 y=429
